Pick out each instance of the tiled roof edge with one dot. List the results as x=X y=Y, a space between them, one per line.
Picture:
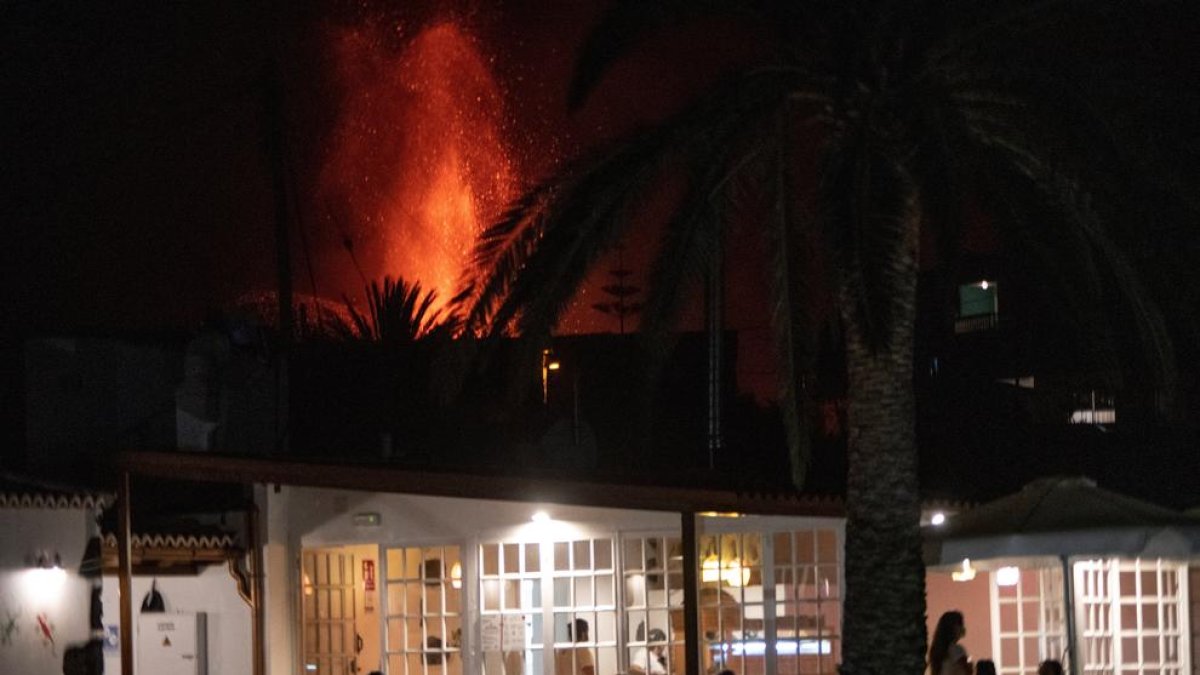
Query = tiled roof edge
x=175 y=541
x=43 y=500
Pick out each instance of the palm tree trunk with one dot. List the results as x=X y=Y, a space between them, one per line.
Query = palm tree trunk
x=884 y=602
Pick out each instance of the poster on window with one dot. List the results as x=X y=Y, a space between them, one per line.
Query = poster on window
x=368 y=580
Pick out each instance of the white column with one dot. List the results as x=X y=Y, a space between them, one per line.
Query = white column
x=280 y=584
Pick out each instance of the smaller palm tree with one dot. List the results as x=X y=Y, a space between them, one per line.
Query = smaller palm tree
x=398 y=313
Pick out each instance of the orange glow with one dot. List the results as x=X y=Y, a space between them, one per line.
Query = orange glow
x=418 y=164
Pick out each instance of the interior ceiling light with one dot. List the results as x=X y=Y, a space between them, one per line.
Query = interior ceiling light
x=1008 y=576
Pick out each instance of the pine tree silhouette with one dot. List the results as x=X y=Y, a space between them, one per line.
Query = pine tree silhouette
x=621 y=291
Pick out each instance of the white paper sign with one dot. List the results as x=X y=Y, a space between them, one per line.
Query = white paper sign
x=490 y=633
x=514 y=632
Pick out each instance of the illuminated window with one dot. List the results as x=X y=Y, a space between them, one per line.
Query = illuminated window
x=424 y=619
x=978 y=307
x=571 y=584
x=1093 y=408
x=771 y=596
x=653 y=574
x=1030 y=622
x=1133 y=617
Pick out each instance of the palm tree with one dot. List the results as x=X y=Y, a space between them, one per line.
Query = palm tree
x=916 y=105
x=398 y=314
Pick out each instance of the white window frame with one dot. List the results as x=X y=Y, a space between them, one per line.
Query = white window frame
x=1108 y=602
x=1049 y=601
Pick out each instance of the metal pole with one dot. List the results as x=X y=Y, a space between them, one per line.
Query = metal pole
x=1069 y=612
x=691 y=596
x=125 y=563
x=256 y=590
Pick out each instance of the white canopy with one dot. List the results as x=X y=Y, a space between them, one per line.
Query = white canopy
x=1064 y=516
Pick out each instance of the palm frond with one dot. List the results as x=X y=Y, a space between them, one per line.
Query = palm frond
x=791 y=321
x=532 y=261
x=1087 y=250
x=397 y=313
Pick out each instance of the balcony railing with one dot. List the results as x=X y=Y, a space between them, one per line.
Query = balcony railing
x=971 y=324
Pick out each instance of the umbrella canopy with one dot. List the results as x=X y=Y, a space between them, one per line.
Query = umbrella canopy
x=1064 y=516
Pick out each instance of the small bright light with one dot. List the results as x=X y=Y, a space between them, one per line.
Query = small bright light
x=967 y=572
x=46 y=583
x=983 y=285
x=1008 y=576
x=456 y=575
x=938 y=518
x=541 y=517
x=553 y=365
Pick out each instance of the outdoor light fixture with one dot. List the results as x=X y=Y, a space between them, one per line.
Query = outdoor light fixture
x=967 y=572
x=719 y=514
x=550 y=363
x=938 y=518
x=983 y=285
x=1008 y=576
x=47 y=560
x=46 y=576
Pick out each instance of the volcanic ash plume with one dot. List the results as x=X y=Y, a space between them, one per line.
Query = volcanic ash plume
x=417 y=164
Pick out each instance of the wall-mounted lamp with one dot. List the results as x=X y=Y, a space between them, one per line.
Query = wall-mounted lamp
x=938 y=518
x=46 y=575
x=966 y=573
x=46 y=560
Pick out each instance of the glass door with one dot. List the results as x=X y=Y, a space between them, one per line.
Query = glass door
x=329 y=641
x=423 y=611
x=511 y=608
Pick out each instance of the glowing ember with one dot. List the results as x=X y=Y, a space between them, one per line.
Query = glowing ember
x=418 y=164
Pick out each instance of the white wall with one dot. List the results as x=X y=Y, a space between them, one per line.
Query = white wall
x=325 y=517
x=214 y=592
x=60 y=599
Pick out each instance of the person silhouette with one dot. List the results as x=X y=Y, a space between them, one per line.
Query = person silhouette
x=946 y=656
x=1050 y=667
x=651 y=659
x=577 y=660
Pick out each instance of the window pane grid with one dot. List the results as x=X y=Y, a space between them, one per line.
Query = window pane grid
x=327 y=588
x=738 y=616
x=1031 y=621
x=1132 y=612
x=423 y=621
